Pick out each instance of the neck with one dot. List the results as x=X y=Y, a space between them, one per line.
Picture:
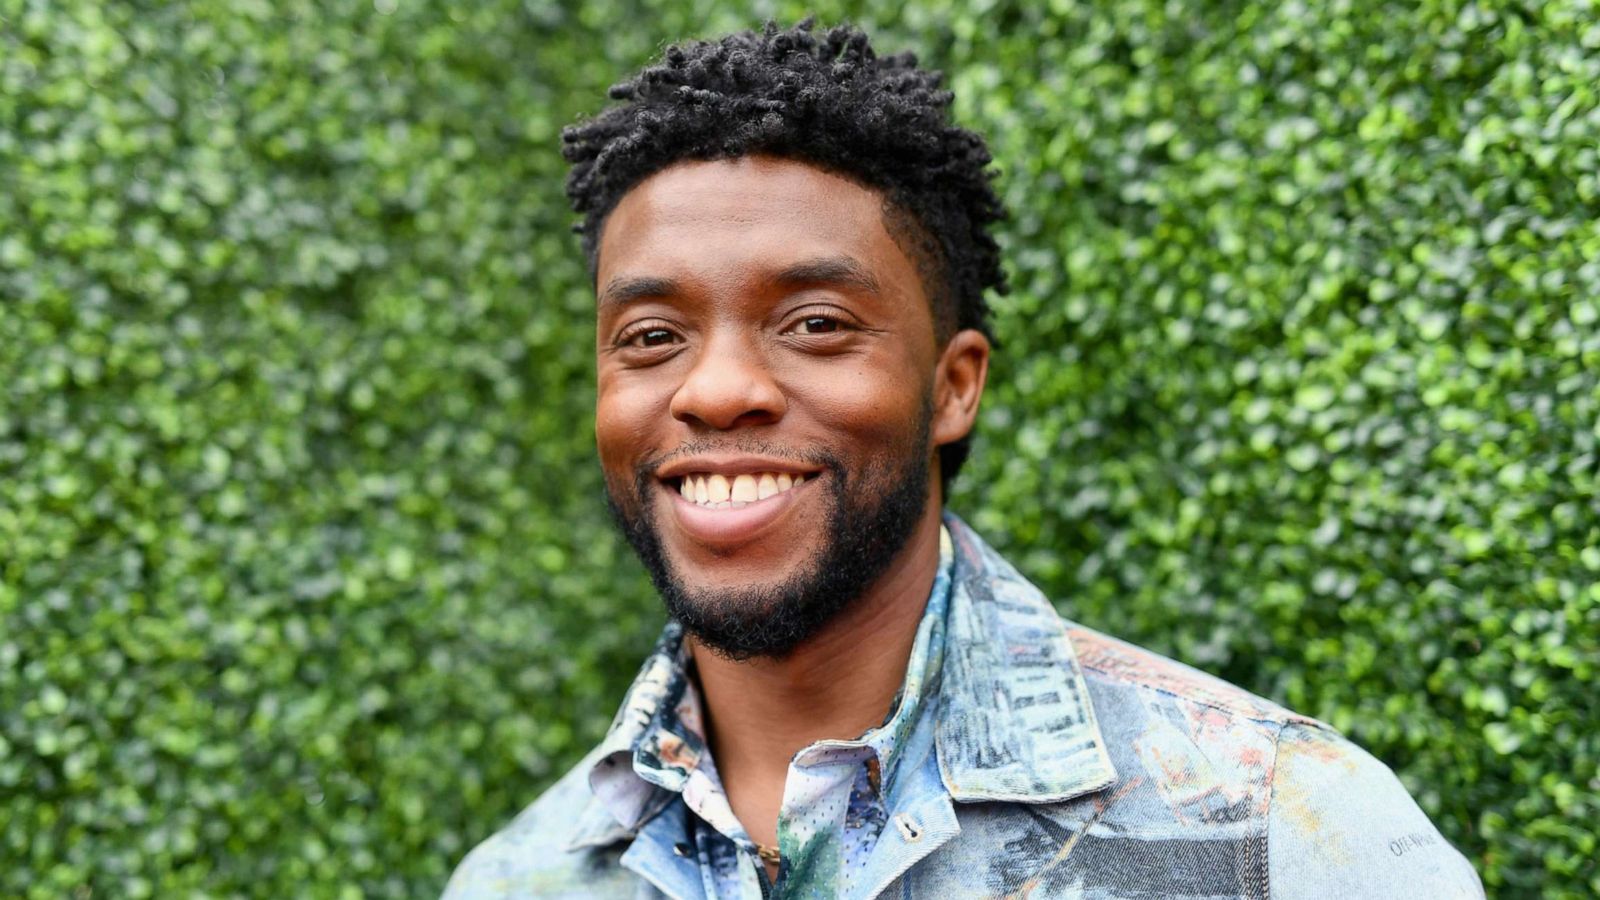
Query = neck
x=836 y=685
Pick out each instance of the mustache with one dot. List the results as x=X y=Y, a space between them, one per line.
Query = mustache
x=646 y=470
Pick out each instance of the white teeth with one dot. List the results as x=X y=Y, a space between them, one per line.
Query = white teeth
x=721 y=492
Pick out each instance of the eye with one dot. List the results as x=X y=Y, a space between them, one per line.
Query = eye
x=816 y=325
x=647 y=336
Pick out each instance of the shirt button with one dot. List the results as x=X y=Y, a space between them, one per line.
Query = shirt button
x=681 y=848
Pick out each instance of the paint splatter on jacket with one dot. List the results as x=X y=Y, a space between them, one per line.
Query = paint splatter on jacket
x=1025 y=756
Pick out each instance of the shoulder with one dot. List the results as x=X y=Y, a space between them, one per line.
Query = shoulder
x=530 y=856
x=1343 y=824
x=1335 y=820
x=1206 y=748
x=1118 y=666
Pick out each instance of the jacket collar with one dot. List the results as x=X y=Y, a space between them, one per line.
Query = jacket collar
x=1016 y=722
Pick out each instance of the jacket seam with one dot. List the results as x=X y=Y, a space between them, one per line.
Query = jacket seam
x=1286 y=718
x=1266 y=825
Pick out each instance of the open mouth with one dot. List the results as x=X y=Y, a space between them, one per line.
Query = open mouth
x=714 y=491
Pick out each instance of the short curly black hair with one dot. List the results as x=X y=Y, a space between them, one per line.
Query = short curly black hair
x=827 y=100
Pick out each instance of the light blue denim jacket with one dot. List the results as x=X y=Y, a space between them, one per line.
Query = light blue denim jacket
x=1025 y=756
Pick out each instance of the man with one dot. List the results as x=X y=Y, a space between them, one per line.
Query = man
x=856 y=697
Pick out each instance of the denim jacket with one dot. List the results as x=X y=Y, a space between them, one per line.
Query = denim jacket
x=1024 y=756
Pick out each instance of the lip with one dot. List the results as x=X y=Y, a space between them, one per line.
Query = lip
x=714 y=464
x=724 y=529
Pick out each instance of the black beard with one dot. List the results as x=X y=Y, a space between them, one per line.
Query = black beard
x=863 y=536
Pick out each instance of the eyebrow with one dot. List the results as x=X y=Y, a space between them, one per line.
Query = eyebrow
x=838 y=270
x=843 y=271
x=626 y=289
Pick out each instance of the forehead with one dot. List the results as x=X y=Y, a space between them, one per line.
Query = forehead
x=722 y=218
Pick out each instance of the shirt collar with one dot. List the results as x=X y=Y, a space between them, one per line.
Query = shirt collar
x=1015 y=718
x=622 y=799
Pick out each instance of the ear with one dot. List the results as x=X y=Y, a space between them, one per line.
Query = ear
x=958 y=385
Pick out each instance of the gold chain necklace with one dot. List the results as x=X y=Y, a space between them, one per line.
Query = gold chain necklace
x=768 y=854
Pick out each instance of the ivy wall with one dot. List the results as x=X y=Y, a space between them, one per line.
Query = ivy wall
x=305 y=580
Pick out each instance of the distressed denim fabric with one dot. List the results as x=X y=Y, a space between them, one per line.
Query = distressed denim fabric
x=1030 y=757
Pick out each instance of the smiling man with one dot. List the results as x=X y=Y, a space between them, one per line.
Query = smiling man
x=855 y=696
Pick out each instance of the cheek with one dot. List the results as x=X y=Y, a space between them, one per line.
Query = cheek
x=876 y=404
x=626 y=417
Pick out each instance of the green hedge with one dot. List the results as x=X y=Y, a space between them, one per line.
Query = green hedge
x=305 y=582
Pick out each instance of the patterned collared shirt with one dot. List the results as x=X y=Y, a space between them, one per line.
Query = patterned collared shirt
x=834 y=796
x=1027 y=756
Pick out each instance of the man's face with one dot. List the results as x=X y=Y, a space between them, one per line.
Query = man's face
x=765 y=414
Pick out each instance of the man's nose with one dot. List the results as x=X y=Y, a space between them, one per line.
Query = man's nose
x=728 y=387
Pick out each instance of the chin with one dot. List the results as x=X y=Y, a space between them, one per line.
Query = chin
x=831 y=537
